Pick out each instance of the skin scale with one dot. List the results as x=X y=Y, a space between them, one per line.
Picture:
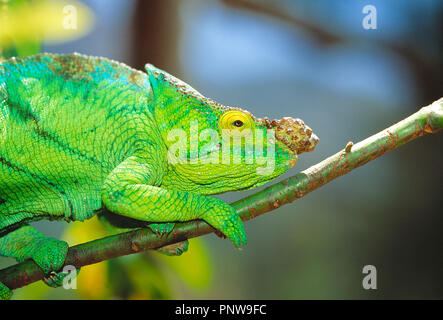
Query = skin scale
x=83 y=135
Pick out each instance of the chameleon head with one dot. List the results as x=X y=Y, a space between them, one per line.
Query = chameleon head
x=226 y=148
x=290 y=136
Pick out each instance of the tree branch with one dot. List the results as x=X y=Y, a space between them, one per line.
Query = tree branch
x=427 y=120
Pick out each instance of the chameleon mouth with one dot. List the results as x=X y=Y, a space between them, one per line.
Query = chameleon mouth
x=293 y=133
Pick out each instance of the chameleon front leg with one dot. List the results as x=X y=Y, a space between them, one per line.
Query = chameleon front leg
x=28 y=243
x=134 y=190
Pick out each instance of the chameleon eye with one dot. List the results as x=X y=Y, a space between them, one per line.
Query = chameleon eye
x=236 y=119
x=238 y=123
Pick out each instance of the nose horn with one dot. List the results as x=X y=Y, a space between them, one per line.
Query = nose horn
x=294 y=133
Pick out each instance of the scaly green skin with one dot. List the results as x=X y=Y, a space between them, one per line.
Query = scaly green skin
x=81 y=133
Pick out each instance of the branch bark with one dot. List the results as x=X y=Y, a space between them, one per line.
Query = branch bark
x=427 y=120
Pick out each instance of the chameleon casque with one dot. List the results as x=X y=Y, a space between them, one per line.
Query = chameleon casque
x=80 y=133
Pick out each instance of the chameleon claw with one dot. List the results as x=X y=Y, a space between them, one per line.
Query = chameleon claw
x=176 y=249
x=220 y=234
x=52 y=279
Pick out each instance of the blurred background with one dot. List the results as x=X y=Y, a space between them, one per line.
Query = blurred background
x=308 y=59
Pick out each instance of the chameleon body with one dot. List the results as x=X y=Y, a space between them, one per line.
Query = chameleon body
x=79 y=134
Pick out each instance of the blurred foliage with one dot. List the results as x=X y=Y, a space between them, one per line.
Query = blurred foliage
x=25 y=24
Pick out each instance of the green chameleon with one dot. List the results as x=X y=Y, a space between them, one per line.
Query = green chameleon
x=84 y=135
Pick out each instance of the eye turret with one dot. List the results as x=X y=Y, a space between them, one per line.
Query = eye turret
x=236 y=119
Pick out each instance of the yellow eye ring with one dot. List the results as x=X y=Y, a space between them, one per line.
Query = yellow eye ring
x=236 y=119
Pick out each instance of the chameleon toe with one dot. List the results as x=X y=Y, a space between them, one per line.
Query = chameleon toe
x=162 y=228
x=55 y=279
x=175 y=249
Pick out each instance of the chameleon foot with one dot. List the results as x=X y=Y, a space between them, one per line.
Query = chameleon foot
x=175 y=249
x=55 y=279
x=225 y=219
x=5 y=292
x=50 y=255
x=161 y=228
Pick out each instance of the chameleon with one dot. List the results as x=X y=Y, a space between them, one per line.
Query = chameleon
x=83 y=136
